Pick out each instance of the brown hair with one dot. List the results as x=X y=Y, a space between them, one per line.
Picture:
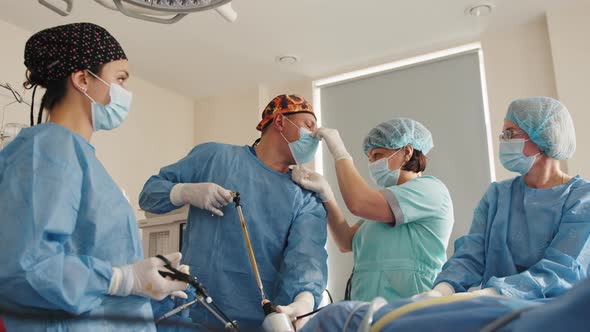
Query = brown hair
x=417 y=162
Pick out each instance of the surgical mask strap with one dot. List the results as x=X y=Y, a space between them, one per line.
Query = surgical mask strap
x=293 y=123
x=285 y=138
x=526 y=140
x=100 y=79
x=88 y=96
x=396 y=152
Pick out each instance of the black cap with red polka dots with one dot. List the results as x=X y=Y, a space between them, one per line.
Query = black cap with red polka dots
x=54 y=53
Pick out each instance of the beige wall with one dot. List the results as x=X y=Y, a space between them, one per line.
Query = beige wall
x=233 y=118
x=228 y=119
x=158 y=131
x=569 y=28
x=12 y=70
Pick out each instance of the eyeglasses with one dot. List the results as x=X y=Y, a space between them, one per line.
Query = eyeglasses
x=510 y=134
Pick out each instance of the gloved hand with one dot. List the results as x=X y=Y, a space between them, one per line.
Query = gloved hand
x=142 y=278
x=312 y=181
x=490 y=291
x=206 y=195
x=441 y=289
x=181 y=294
x=334 y=143
x=302 y=305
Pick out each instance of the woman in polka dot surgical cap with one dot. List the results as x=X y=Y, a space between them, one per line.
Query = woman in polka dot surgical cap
x=70 y=241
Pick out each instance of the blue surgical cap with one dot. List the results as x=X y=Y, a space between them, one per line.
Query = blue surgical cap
x=548 y=124
x=397 y=133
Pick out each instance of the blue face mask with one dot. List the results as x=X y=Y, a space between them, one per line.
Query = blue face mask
x=381 y=174
x=110 y=116
x=513 y=158
x=305 y=147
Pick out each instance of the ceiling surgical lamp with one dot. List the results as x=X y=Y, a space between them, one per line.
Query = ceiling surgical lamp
x=153 y=10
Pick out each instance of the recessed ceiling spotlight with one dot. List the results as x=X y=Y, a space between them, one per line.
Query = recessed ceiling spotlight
x=483 y=9
x=287 y=59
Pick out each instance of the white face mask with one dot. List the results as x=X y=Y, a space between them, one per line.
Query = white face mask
x=512 y=156
x=381 y=174
x=304 y=148
x=112 y=115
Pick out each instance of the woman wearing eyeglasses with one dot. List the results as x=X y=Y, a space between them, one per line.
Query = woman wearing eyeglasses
x=530 y=234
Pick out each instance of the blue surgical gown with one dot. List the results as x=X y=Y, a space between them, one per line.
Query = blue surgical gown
x=524 y=242
x=63 y=224
x=286 y=224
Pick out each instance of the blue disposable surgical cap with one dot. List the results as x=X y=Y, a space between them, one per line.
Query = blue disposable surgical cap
x=397 y=133
x=548 y=124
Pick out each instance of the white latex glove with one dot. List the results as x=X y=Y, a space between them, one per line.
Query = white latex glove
x=184 y=269
x=142 y=278
x=206 y=195
x=441 y=289
x=490 y=291
x=302 y=305
x=334 y=143
x=312 y=181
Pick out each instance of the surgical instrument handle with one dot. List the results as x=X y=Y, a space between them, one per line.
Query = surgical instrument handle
x=179 y=275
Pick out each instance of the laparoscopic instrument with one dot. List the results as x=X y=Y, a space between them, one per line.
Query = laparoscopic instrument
x=201 y=296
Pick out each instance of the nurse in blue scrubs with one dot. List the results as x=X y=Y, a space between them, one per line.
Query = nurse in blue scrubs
x=530 y=236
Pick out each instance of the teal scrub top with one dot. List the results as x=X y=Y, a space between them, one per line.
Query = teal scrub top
x=399 y=260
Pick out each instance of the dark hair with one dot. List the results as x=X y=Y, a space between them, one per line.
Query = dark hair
x=417 y=162
x=55 y=91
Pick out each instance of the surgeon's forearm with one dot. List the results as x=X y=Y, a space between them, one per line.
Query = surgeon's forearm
x=341 y=231
x=359 y=197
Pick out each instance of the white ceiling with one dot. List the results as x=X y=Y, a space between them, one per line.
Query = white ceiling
x=204 y=55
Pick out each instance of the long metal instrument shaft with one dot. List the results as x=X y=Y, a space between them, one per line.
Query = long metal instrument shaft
x=249 y=245
x=176 y=310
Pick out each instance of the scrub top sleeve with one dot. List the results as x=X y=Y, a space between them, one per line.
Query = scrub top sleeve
x=415 y=200
x=565 y=261
x=155 y=196
x=304 y=266
x=466 y=267
x=49 y=278
x=394 y=205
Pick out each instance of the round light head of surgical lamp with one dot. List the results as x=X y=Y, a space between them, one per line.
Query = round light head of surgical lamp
x=482 y=9
x=178 y=6
x=287 y=59
x=175 y=10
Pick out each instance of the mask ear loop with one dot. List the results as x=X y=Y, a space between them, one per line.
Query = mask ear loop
x=285 y=138
x=388 y=158
x=535 y=155
x=98 y=78
x=84 y=89
x=87 y=95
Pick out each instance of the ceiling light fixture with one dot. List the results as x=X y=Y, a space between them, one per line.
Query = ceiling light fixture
x=484 y=9
x=150 y=10
x=287 y=59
